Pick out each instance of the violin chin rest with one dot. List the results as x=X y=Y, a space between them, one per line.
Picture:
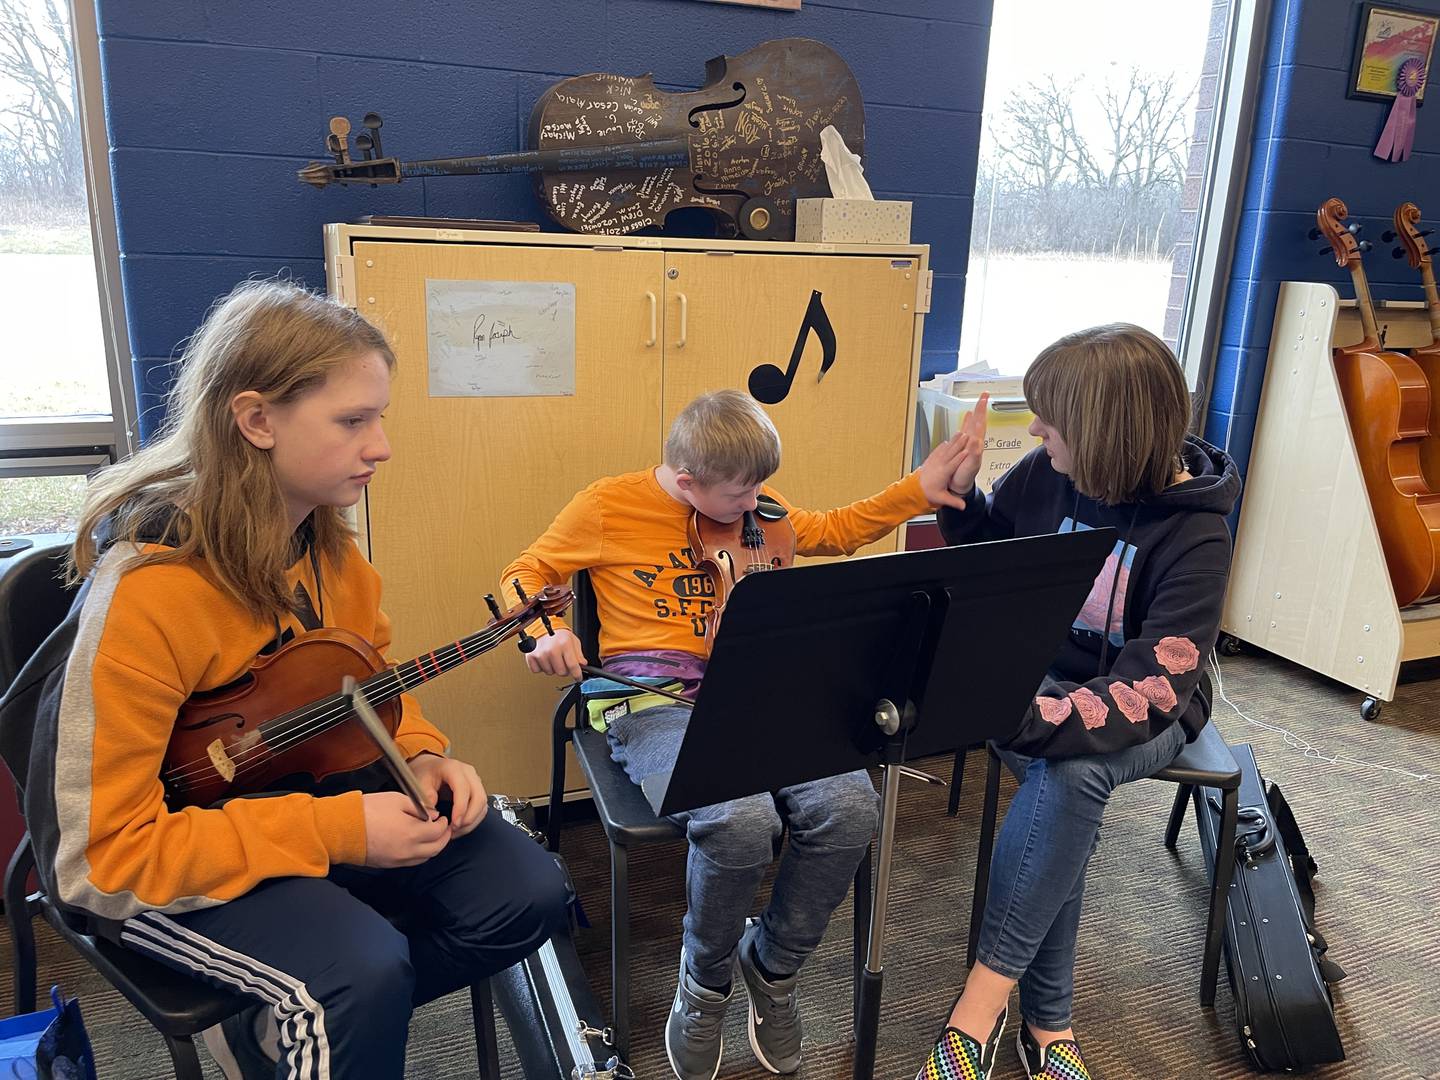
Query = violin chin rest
x=767 y=509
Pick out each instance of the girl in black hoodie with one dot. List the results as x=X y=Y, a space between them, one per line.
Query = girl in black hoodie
x=1126 y=691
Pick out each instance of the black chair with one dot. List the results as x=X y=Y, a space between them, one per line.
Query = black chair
x=1205 y=763
x=628 y=819
x=34 y=601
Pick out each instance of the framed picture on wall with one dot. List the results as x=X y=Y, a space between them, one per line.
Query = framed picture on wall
x=1392 y=39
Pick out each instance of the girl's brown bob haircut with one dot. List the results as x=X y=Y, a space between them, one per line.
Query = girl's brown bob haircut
x=1117 y=396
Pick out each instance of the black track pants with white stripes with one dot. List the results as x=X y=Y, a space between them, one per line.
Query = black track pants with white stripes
x=343 y=960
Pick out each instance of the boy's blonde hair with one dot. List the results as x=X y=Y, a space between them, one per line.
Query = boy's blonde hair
x=213 y=494
x=1117 y=396
x=724 y=437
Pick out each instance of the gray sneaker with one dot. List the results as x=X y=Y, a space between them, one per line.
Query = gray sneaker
x=694 y=1033
x=775 y=1029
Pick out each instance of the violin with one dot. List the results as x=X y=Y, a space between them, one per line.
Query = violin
x=1407 y=216
x=1387 y=400
x=758 y=540
x=288 y=716
x=613 y=154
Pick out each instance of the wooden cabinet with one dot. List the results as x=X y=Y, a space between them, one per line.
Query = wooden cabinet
x=657 y=321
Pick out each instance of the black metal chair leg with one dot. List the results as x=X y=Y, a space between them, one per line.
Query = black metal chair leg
x=1219 y=893
x=862 y=918
x=620 y=948
x=184 y=1058
x=957 y=774
x=487 y=1043
x=1177 y=815
x=982 y=857
x=22 y=930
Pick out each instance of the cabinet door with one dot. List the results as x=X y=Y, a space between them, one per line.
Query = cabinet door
x=475 y=479
x=844 y=437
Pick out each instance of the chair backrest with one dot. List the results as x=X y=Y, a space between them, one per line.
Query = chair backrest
x=33 y=601
x=584 y=615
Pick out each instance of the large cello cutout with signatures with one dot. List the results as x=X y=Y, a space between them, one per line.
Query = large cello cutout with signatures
x=614 y=154
x=1387 y=400
x=288 y=716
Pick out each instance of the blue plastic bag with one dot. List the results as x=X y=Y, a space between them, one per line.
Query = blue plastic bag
x=49 y=1045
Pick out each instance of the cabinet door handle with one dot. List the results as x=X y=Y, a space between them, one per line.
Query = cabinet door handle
x=684 y=320
x=650 y=341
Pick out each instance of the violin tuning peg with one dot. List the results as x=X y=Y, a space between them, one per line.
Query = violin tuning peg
x=545 y=622
x=1432 y=251
x=1364 y=245
x=373 y=122
x=362 y=143
x=1314 y=234
x=515 y=584
x=1388 y=235
x=1325 y=251
x=1424 y=232
x=1397 y=253
x=492 y=605
x=1354 y=227
x=525 y=642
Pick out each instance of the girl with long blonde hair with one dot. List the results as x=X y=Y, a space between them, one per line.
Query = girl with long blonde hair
x=333 y=906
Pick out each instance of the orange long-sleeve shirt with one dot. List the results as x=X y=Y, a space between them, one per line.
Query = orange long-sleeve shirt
x=631 y=535
x=148 y=638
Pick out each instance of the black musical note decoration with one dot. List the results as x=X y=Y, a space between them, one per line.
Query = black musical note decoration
x=770 y=385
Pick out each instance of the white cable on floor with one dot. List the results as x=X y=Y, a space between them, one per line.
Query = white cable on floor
x=1309 y=749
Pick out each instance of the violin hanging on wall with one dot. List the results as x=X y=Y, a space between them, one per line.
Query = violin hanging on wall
x=613 y=154
x=1387 y=400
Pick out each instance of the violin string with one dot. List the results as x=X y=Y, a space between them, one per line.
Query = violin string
x=287 y=730
x=319 y=715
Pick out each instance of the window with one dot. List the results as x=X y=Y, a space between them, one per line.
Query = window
x=1108 y=173
x=66 y=404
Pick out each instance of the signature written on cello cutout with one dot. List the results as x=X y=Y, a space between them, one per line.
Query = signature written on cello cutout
x=489 y=332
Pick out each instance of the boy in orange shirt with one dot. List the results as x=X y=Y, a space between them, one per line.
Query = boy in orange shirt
x=630 y=533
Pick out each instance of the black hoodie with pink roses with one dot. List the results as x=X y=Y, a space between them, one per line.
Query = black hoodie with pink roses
x=1133 y=661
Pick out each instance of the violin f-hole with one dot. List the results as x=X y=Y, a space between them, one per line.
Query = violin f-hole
x=715 y=106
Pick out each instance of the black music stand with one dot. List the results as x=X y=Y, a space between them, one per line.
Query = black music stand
x=871 y=661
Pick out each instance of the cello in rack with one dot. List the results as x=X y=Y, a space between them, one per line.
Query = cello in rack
x=1387 y=400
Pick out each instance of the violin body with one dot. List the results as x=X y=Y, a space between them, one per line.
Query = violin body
x=1428 y=361
x=307 y=669
x=752 y=132
x=759 y=540
x=287 y=716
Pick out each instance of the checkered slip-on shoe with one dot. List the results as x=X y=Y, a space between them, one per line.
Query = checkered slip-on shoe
x=956 y=1056
x=1060 y=1060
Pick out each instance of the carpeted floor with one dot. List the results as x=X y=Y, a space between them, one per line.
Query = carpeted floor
x=1374 y=831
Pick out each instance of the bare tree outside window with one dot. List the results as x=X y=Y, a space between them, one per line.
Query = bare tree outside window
x=1081 y=194
x=54 y=366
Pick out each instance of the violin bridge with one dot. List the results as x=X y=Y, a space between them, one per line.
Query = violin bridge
x=221 y=760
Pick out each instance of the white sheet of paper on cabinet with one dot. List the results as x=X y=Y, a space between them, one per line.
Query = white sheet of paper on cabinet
x=500 y=338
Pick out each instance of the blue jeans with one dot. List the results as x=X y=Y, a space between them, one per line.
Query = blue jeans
x=732 y=843
x=1037 y=875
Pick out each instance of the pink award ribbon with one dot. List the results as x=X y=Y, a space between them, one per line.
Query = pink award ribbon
x=1399 y=134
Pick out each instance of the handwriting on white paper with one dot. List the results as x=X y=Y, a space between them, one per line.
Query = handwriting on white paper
x=500 y=338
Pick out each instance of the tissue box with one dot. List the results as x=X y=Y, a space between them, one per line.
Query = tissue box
x=852 y=221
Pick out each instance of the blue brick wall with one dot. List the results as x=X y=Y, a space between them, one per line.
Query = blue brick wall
x=213 y=104
x=1311 y=142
